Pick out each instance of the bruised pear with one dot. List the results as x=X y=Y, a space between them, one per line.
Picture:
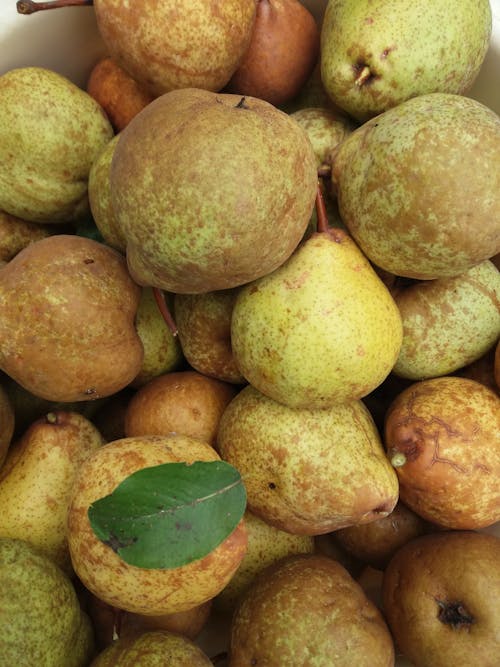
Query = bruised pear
x=184 y=178
x=419 y=186
x=67 y=328
x=442 y=435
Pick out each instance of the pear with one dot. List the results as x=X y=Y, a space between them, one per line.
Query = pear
x=376 y=542
x=497 y=365
x=51 y=131
x=162 y=349
x=184 y=179
x=184 y=402
x=121 y=96
x=266 y=545
x=99 y=190
x=325 y=129
x=441 y=597
x=202 y=47
x=16 y=234
x=157 y=648
x=7 y=423
x=41 y=622
x=448 y=322
x=204 y=326
x=443 y=437
x=67 y=328
x=307 y=471
x=37 y=478
x=320 y=329
x=282 y=53
x=104 y=573
x=419 y=186
x=373 y=56
x=308 y=610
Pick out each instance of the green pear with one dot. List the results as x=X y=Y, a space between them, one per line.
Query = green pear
x=419 y=186
x=67 y=329
x=377 y=54
x=321 y=328
x=99 y=189
x=307 y=471
x=325 y=129
x=162 y=349
x=204 y=325
x=266 y=545
x=51 y=131
x=41 y=622
x=37 y=478
x=448 y=322
x=307 y=610
x=157 y=648
x=201 y=206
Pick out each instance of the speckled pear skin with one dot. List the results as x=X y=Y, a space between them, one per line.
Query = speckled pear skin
x=308 y=471
x=41 y=621
x=201 y=48
x=157 y=648
x=266 y=545
x=320 y=329
x=67 y=329
x=37 y=478
x=448 y=322
x=201 y=206
x=446 y=434
x=104 y=573
x=419 y=186
x=325 y=129
x=408 y=48
x=99 y=189
x=50 y=133
x=308 y=610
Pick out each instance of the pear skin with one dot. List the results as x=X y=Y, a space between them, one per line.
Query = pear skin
x=102 y=571
x=307 y=471
x=15 y=234
x=443 y=437
x=37 y=478
x=67 y=331
x=321 y=329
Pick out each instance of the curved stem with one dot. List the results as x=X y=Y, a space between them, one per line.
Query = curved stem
x=162 y=305
x=322 y=224
x=30 y=7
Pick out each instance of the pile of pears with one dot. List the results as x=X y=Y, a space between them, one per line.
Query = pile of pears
x=265 y=232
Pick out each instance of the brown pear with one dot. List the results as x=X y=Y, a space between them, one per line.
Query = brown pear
x=283 y=51
x=308 y=610
x=441 y=598
x=443 y=437
x=120 y=95
x=204 y=326
x=185 y=402
x=67 y=328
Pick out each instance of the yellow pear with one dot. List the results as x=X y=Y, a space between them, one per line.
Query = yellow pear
x=37 y=478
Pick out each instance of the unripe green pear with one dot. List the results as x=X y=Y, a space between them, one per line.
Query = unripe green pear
x=448 y=322
x=376 y=54
x=51 y=131
x=41 y=622
x=322 y=328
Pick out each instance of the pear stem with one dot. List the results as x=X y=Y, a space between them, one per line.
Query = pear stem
x=29 y=7
x=162 y=305
x=322 y=224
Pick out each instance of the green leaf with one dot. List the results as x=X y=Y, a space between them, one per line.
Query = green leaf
x=169 y=515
